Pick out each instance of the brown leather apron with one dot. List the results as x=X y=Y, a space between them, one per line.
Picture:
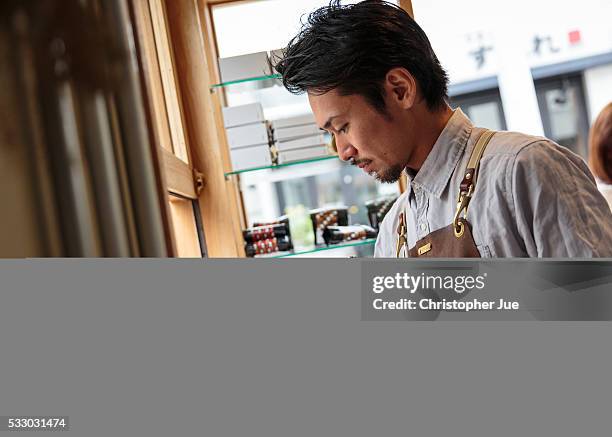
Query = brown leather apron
x=454 y=240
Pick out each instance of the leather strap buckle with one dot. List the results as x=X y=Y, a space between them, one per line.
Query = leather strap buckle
x=469 y=181
x=462 y=206
x=401 y=235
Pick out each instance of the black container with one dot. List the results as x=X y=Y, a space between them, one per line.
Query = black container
x=265 y=232
x=341 y=234
x=267 y=246
x=324 y=217
x=378 y=209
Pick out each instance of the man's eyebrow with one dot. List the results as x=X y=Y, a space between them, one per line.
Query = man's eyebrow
x=327 y=124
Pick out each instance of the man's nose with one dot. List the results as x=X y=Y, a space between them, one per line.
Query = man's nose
x=345 y=150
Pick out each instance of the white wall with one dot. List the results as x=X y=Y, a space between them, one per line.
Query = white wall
x=516 y=88
x=457 y=27
x=258 y=26
x=598 y=83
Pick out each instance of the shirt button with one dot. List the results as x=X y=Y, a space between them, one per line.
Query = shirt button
x=423 y=226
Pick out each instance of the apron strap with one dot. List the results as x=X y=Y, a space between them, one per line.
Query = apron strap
x=468 y=184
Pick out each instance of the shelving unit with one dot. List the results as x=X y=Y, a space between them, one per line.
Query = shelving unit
x=368 y=242
x=250 y=79
x=258 y=88
x=288 y=164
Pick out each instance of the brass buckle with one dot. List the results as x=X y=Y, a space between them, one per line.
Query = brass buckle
x=459 y=228
x=462 y=207
x=424 y=249
x=401 y=239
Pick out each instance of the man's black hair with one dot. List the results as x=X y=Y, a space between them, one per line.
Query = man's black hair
x=352 y=47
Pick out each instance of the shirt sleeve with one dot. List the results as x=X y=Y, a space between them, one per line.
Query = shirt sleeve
x=386 y=241
x=559 y=211
x=383 y=240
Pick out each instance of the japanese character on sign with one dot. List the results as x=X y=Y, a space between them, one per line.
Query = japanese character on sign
x=543 y=41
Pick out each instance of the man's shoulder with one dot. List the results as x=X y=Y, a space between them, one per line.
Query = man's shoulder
x=515 y=143
x=510 y=151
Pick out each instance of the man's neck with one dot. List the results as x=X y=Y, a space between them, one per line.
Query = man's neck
x=433 y=123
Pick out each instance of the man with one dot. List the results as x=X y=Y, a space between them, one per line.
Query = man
x=374 y=82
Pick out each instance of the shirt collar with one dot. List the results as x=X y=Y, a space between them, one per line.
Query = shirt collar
x=439 y=165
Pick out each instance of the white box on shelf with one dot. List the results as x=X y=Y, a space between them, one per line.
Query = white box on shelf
x=251 y=157
x=293 y=121
x=248 y=135
x=314 y=140
x=244 y=67
x=290 y=133
x=244 y=114
x=301 y=154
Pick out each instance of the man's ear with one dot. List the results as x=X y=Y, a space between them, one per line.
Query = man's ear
x=401 y=87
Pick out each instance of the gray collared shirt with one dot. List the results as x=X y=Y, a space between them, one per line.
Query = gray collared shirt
x=533 y=198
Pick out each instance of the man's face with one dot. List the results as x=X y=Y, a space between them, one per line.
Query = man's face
x=365 y=137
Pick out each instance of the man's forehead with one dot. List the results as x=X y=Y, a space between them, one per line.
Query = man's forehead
x=328 y=105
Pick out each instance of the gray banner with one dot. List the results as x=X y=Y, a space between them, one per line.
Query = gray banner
x=278 y=348
x=486 y=290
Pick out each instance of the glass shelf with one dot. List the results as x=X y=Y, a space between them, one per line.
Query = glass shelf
x=288 y=164
x=305 y=251
x=250 y=79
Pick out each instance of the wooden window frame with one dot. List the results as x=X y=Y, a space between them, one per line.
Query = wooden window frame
x=200 y=177
x=166 y=120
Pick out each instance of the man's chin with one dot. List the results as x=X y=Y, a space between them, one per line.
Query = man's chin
x=388 y=175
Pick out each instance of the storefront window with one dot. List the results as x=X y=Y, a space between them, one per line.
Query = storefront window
x=567 y=53
x=483 y=108
x=563 y=110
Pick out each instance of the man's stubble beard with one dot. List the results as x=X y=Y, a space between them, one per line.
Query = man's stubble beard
x=389 y=175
